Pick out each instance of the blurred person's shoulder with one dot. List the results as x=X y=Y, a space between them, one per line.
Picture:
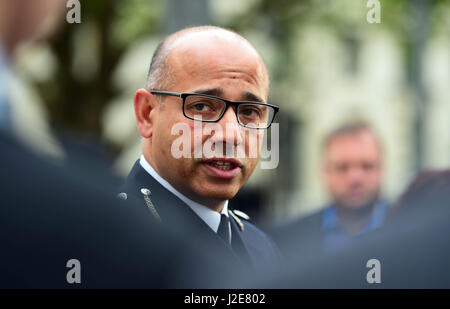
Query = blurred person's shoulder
x=50 y=214
x=296 y=235
x=309 y=222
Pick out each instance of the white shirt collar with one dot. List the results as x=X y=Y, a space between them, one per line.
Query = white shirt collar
x=211 y=217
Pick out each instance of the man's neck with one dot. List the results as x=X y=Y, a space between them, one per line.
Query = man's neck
x=216 y=205
x=353 y=220
x=213 y=204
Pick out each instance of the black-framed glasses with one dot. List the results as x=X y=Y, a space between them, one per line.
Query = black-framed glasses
x=208 y=108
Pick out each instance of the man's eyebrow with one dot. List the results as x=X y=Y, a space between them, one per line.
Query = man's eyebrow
x=217 y=92
x=248 y=96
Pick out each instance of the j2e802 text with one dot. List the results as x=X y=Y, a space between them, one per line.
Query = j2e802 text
x=246 y=299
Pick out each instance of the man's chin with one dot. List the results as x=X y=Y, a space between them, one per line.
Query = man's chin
x=360 y=205
x=218 y=195
x=221 y=196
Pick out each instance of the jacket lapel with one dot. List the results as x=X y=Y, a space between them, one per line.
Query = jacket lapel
x=237 y=242
x=175 y=213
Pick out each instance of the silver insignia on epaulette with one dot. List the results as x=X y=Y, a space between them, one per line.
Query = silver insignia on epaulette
x=122 y=196
x=241 y=214
x=146 y=192
x=238 y=221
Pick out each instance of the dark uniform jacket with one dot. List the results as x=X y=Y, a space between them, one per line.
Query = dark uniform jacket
x=250 y=247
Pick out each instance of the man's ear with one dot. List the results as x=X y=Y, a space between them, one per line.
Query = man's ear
x=145 y=108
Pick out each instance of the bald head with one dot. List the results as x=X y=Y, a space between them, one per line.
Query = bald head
x=213 y=42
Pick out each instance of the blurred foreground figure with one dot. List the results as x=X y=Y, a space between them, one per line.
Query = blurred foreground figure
x=50 y=215
x=352 y=172
x=210 y=85
x=20 y=22
x=411 y=251
x=59 y=227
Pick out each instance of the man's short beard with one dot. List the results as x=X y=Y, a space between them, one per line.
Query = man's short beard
x=361 y=209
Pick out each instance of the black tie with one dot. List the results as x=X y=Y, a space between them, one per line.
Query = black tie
x=224 y=228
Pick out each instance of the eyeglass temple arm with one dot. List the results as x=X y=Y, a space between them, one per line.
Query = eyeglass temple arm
x=175 y=94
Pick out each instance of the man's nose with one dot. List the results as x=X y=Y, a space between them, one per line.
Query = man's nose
x=356 y=173
x=232 y=131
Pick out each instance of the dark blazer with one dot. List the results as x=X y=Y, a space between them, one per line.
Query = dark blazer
x=250 y=246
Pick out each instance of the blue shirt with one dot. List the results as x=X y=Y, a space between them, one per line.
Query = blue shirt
x=335 y=236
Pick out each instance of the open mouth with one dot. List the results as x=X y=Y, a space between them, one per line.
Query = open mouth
x=222 y=165
x=223 y=168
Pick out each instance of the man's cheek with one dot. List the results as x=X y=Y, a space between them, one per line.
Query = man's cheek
x=253 y=142
x=183 y=168
x=251 y=165
x=165 y=148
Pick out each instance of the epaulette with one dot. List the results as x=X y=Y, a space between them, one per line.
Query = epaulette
x=241 y=214
x=146 y=194
x=236 y=214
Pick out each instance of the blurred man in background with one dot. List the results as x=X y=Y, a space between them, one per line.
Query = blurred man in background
x=352 y=171
x=199 y=76
x=412 y=250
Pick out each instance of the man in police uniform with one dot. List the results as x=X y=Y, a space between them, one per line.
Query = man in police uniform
x=53 y=215
x=201 y=77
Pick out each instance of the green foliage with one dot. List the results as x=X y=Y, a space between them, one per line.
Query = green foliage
x=116 y=25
